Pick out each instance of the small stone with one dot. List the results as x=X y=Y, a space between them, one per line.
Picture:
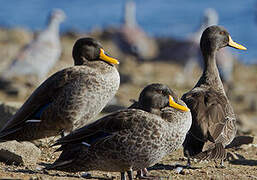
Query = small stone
x=86 y=175
x=179 y=170
x=13 y=152
x=39 y=168
x=186 y=171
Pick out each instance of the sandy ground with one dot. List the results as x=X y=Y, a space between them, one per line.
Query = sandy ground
x=135 y=76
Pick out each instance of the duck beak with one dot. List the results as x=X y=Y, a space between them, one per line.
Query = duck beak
x=106 y=58
x=234 y=44
x=173 y=104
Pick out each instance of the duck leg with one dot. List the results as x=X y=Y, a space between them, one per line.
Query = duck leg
x=139 y=174
x=188 y=159
x=122 y=176
x=142 y=173
x=222 y=163
x=62 y=134
x=145 y=171
x=130 y=174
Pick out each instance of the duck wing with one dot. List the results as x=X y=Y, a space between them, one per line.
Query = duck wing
x=210 y=123
x=40 y=100
x=103 y=128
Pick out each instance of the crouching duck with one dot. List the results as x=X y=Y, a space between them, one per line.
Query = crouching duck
x=129 y=139
x=69 y=98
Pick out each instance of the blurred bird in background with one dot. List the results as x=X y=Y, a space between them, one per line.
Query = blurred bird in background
x=38 y=57
x=131 y=38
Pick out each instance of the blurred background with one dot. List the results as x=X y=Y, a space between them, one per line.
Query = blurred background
x=169 y=18
x=155 y=41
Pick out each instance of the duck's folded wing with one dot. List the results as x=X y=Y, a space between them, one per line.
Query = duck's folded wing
x=102 y=128
x=208 y=110
x=40 y=99
x=209 y=121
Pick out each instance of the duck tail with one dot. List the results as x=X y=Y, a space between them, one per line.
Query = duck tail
x=216 y=151
x=67 y=158
x=62 y=163
x=58 y=165
x=8 y=135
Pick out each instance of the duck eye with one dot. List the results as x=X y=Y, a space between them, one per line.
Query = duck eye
x=222 y=33
x=159 y=91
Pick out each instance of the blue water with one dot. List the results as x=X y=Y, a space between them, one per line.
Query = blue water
x=174 y=18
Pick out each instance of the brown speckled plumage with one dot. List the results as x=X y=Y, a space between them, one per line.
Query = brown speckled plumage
x=68 y=99
x=127 y=140
x=214 y=121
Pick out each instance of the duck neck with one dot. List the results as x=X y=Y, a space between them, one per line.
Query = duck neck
x=53 y=26
x=210 y=76
x=93 y=64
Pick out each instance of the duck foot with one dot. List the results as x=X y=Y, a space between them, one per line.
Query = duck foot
x=221 y=166
x=142 y=173
x=123 y=176
x=188 y=165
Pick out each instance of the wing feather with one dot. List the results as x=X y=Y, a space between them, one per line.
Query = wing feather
x=209 y=122
x=44 y=94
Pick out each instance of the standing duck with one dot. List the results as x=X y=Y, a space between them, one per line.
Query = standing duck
x=39 y=56
x=129 y=139
x=131 y=38
x=213 y=119
x=69 y=98
x=224 y=58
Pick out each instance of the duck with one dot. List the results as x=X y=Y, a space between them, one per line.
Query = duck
x=213 y=118
x=68 y=99
x=224 y=58
x=38 y=57
x=129 y=139
x=131 y=39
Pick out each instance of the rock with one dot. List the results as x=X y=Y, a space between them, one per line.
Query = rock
x=24 y=153
x=6 y=112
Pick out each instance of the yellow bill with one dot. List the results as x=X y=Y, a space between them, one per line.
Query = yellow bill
x=235 y=45
x=106 y=58
x=176 y=105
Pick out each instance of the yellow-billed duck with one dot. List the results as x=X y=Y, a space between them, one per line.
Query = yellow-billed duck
x=129 y=139
x=224 y=58
x=69 y=98
x=213 y=119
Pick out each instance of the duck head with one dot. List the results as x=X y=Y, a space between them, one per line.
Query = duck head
x=57 y=15
x=158 y=96
x=88 y=49
x=215 y=38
